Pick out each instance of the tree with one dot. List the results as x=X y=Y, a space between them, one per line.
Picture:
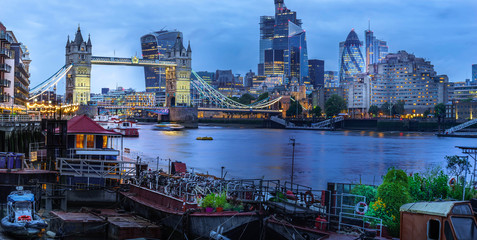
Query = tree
x=316 y=111
x=456 y=165
x=334 y=105
x=426 y=113
x=262 y=96
x=385 y=108
x=374 y=110
x=440 y=113
x=246 y=99
x=398 y=108
x=292 y=110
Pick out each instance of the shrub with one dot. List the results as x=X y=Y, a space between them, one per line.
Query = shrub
x=220 y=200
x=368 y=191
x=208 y=200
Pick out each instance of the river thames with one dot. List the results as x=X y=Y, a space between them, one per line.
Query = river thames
x=320 y=156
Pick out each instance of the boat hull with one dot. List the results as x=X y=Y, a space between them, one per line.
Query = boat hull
x=183 y=217
x=24 y=229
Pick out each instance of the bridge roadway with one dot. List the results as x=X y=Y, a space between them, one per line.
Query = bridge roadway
x=237 y=110
x=134 y=61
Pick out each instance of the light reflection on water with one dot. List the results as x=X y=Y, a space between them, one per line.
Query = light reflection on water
x=320 y=157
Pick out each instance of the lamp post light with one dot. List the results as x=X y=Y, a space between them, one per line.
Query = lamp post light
x=292 y=142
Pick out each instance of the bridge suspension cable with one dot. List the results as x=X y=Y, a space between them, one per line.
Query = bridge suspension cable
x=210 y=93
x=50 y=82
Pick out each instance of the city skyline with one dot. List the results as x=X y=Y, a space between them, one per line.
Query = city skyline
x=438 y=31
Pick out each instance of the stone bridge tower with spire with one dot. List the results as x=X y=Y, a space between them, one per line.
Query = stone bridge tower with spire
x=78 y=80
x=178 y=78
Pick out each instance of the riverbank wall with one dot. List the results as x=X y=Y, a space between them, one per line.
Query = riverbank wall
x=406 y=125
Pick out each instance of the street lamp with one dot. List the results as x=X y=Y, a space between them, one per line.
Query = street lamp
x=292 y=142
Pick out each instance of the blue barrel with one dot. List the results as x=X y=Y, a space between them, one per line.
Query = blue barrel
x=18 y=160
x=10 y=160
x=3 y=161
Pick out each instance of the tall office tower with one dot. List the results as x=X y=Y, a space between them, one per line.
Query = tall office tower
x=474 y=73
x=351 y=59
x=283 y=47
x=154 y=46
x=317 y=73
x=376 y=50
x=404 y=77
x=266 y=39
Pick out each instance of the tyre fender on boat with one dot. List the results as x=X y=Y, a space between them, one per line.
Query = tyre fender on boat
x=361 y=208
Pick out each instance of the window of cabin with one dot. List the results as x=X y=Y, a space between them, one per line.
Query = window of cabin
x=433 y=229
x=105 y=141
x=80 y=141
x=462 y=210
x=448 y=231
x=464 y=227
x=90 y=141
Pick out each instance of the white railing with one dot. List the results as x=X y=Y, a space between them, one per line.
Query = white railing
x=96 y=168
x=460 y=126
x=20 y=118
x=282 y=121
x=327 y=123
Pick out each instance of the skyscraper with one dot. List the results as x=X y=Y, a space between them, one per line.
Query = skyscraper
x=154 y=46
x=317 y=72
x=283 y=47
x=351 y=59
x=474 y=73
x=376 y=50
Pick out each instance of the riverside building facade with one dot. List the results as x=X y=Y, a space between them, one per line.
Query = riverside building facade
x=404 y=77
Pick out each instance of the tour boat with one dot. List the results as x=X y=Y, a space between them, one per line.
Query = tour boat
x=126 y=128
x=168 y=127
x=21 y=219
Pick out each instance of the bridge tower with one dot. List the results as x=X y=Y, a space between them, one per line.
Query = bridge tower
x=178 y=78
x=78 y=79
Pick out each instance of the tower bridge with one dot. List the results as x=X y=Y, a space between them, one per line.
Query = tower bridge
x=177 y=64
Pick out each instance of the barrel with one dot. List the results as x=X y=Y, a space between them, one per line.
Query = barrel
x=10 y=160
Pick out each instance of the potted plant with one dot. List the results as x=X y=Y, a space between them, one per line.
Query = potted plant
x=220 y=201
x=228 y=207
x=208 y=202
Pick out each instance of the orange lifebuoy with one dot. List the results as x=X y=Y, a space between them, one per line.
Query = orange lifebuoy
x=24 y=218
x=452 y=182
x=309 y=198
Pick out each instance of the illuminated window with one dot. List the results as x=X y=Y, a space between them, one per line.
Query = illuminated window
x=89 y=141
x=80 y=141
x=105 y=141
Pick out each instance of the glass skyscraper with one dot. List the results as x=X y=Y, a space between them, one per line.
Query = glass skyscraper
x=283 y=47
x=376 y=50
x=351 y=59
x=154 y=46
x=474 y=72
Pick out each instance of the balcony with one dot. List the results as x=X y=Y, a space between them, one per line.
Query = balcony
x=4 y=52
x=22 y=87
x=4 y=98
x=5 y=37
x=5 y=83
x=5 y=67
x=22 y=78
x=23 y=69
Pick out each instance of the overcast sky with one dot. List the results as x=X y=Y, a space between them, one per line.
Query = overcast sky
x=224 y=34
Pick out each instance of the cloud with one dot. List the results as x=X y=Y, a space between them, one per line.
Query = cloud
x=225 y=34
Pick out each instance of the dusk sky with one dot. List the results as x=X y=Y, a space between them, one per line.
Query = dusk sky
x=225 y=34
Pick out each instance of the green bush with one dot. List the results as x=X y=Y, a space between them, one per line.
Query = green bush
x=208 y=200
x=364 y=190
x=220 y=200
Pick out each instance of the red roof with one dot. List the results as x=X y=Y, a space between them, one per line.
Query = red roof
x=84 y=125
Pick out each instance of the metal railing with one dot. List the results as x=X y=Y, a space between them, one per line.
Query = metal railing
x=96 y=168
x=6 y=52
x=358 y=221
x=460 y=126
x=19 y=118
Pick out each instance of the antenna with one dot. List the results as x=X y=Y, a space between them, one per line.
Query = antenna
x=162 y=29
x=369 y=24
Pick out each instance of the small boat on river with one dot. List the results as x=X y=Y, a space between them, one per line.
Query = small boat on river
x=168 y=127
x=204 y=138
x=21 y=219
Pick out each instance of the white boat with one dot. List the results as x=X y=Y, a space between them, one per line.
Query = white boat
x=21 y=219
x=168 y=127
x=126 y=128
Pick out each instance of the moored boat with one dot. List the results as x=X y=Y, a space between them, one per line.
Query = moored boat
x=168 y=127
x=126 y=128
x=21 y=219
x=204 y=138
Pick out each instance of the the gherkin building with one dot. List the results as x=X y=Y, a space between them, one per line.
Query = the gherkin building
x=351 y=58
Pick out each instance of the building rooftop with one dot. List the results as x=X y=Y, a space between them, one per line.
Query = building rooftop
x=82 y=124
